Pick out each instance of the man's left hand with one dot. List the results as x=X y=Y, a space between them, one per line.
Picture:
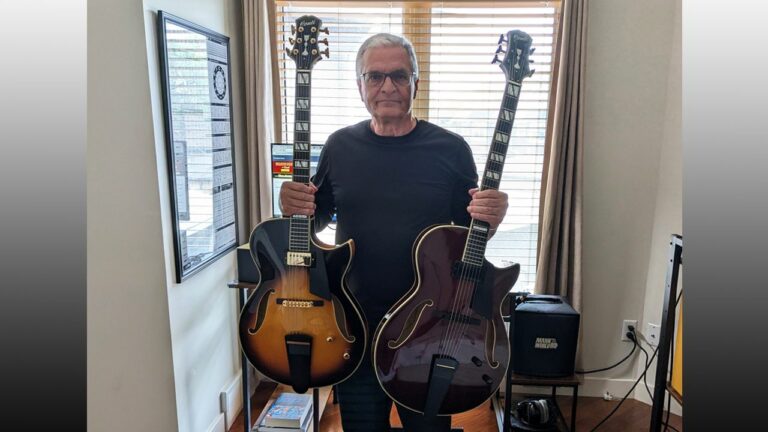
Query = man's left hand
x=489 y=205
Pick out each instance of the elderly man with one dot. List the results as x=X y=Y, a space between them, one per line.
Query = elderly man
x=387 y=179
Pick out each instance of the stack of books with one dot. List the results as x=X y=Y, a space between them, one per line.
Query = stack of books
x=286 y=412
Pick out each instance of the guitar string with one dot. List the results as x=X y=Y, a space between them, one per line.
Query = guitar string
x=455 y=333
x=450 y=328
x=464 y=296
x=454 y=329
x=443 y=346
x=506 y=101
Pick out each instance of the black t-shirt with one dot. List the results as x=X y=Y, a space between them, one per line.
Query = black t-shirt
x=385 y=191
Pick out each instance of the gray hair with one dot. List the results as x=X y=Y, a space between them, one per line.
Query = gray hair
x=386 y=40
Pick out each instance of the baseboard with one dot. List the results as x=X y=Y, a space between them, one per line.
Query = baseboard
x=219 y=424
x=642 y=395
x=232 y=399
x=598 y=387
x=590 y=387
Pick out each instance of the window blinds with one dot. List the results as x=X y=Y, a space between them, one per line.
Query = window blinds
x=459 y=89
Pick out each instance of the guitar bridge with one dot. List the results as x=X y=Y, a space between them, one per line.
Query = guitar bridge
x=299 y=259
x=297 y=303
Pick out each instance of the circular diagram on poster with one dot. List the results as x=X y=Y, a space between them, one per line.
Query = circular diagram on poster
x=219 y=82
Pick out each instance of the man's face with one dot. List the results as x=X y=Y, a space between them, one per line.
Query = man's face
x=389 y=101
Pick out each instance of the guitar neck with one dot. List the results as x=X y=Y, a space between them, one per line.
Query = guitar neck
x=300 y=224
x=479 y=231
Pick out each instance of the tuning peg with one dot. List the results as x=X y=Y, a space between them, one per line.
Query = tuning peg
x=501 y=39
x=293 y=29
x=292 y=40
x=532 y=50
x=326 y=52
x=531 y=72
x=324 y=30
x=531 y=61
x=499 y=49
x=324 y=41
x=495 y=59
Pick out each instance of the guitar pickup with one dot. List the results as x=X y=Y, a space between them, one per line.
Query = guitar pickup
x=299 y=259
x=467 y=271
x=457 y=317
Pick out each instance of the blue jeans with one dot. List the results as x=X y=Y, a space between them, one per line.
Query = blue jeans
x=365 y=407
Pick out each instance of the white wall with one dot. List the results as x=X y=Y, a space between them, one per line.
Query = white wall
x=130 y=364
x=202 y=309
x=159 y=352
x=631 y=172
x=668 y=218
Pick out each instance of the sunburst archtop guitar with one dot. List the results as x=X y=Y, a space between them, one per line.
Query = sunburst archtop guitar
x=301 y=326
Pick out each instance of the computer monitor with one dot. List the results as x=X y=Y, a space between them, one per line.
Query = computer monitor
x=282 y=168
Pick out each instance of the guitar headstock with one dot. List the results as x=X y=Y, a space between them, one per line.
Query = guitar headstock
x=305 y=49
x=516 y=62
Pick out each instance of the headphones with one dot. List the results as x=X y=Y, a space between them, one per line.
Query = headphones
x=535 y=412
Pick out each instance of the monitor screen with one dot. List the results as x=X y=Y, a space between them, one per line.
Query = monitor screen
x=282 y=168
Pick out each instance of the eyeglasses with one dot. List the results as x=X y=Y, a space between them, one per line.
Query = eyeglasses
x=376 y=79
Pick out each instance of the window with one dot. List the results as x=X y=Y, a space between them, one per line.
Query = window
x=459 y=89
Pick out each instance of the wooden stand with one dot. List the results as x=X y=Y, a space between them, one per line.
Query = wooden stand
x=242 y=299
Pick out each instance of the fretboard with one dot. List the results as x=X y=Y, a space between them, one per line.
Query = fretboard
x=479 y=231
x=300 y=225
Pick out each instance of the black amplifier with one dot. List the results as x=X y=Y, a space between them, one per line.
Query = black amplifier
x=246 y=268
x=544 y=337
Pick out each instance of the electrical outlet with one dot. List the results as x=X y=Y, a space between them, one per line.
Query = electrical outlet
x=652 y=334
x=625 y=328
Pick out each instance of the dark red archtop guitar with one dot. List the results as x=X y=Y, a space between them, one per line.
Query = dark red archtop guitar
x=302 y=326
x=442 y=348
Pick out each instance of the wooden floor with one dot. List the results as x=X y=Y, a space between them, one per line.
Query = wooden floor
x=633 y=416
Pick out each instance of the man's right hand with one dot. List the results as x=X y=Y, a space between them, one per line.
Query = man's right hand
x=297 y=198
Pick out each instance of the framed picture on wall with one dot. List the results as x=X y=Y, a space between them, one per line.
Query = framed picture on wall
x=197 y=104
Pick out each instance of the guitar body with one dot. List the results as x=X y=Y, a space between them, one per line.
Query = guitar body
x=284 y=308
x=419 y=327
x=442 y=348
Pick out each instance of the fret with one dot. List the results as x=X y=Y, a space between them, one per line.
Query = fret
x=302 y=116
x=300 y=227
x=501 y=138
x=492 y=175
x=496 y=157
x=513 y=89
x=303 y=77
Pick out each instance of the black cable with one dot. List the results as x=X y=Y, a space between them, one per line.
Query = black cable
x=647 y=365
x=632 y=335
x=637 y=381
x=648 y=389
x=634 y=345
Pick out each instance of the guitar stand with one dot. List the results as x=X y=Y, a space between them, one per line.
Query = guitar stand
x=242 y=298
x=439 y=381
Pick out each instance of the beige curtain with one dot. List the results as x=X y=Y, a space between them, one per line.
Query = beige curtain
x=558 y=268
x=262 y=117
